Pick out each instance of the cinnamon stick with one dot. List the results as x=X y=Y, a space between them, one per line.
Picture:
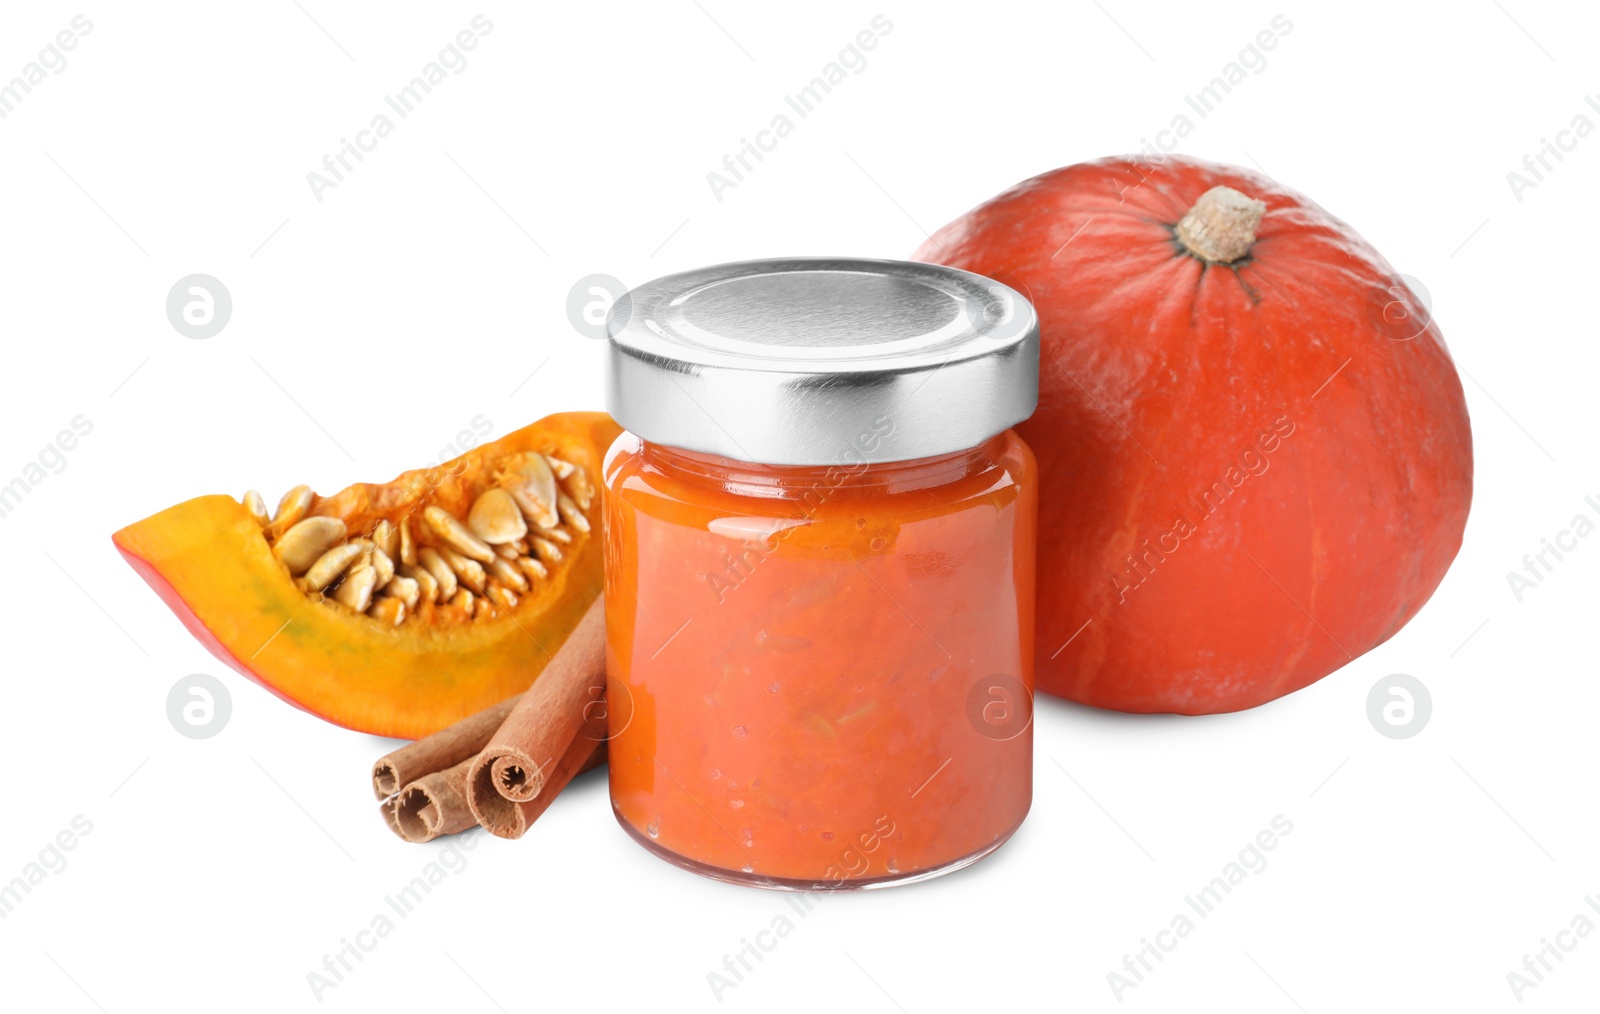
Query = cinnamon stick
x=433 y=805
x=444 y=749
x=505 y=818
x=387 y=809
x=517 y=761
x=529 y=746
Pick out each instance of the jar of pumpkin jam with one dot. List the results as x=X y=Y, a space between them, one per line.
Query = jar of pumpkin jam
x=819 y=560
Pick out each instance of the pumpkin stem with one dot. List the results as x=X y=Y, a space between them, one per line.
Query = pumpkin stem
x=1221 y=226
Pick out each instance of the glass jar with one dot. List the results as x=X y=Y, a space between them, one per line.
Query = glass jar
x=819 y=570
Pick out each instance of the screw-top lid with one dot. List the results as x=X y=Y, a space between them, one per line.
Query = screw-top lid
x=814 y=361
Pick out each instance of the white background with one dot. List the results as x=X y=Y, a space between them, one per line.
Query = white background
x=372 y=326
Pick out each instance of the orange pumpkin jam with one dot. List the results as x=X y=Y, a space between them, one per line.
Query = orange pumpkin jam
x=820 y=678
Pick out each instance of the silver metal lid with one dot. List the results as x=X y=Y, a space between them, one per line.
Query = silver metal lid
x=814 y=361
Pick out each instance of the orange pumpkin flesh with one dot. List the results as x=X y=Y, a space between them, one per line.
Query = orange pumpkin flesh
x=1254 y=465
x=208 y=560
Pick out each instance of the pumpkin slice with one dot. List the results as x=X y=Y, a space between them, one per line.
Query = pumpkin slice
x=394 y=608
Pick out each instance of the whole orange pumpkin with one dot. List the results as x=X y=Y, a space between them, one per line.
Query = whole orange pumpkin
x=1254 y=452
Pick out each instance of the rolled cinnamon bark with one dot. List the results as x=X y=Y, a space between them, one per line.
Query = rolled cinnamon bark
x=444 y=749
x=433 y=805
x=387 y=809
x=518 y=760
x=505 y=818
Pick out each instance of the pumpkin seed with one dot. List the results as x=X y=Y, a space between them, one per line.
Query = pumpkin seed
x=560 y=535
x=408 y=549
x=468 y=572
x=389 y=611
x=579 y=486
x=455 y=535
x=368 y=547
x=496 y=519
x=506 y=572
x=571 y=514
x=305 y=543
x=463 y=600
x=533 y=568
x=562 y=469
x=330 y=566
x=427 y=585
x=257 y=508
x=383 y=565
x=546 y=550
x=528 y=479
x=503 y=597
x=355 y=591
x=387 y=538
x=435 y=564
x=294 y=506
x=405 y=589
